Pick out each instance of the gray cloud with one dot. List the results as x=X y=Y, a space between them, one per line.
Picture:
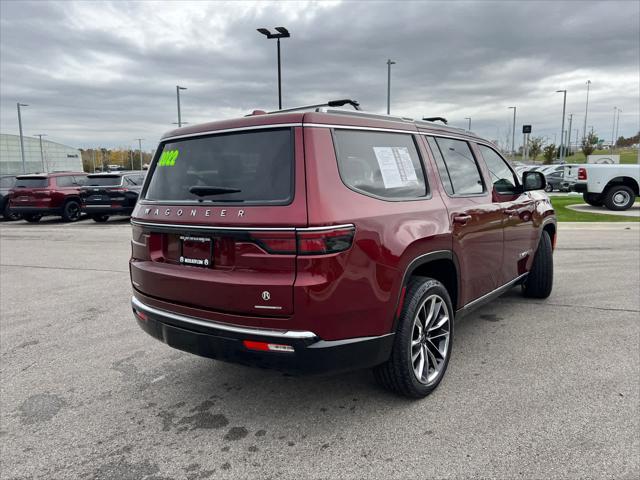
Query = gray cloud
x=105 y=73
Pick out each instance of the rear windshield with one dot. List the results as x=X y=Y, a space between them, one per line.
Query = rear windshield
x=103 y=181
x=32 y=182
x=253 y=167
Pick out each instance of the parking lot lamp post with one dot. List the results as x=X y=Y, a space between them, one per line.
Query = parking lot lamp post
x=178 y=88
x=613 y=128
x=389 y=63
x=513 y=134
x=41 y=150
x=24 y=166
x=468 y=118
x=569 y=132
x=282 y=33
x=617 y=128
x=586 y=111
x=564 y=108
x=140 y=150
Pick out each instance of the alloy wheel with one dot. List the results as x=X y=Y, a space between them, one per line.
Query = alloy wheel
x=430 y=339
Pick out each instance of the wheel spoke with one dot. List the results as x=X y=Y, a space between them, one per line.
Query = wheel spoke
x=440 y=323
x=433 y=350
x=433 y=360
x=416 y=353
x=420 y=367
x=433 y=337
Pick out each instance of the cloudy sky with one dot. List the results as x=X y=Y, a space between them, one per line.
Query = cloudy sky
x=104 y=73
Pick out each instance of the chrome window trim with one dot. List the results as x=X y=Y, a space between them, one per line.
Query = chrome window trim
x=227 y=228
x=229 y=130
x=138 y=305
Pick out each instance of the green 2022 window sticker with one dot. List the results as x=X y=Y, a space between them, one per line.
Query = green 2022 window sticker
x=168 y=158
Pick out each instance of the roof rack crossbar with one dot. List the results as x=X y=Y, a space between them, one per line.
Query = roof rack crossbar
x=330 y=103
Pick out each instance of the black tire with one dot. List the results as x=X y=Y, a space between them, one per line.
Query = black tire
x=593 y=199
x=619 y=197
x=32 y=217
x=539 y=282
x=9 y=215
x=71 y=211
x=548 y=188
x=100 y=218
x=397 y=374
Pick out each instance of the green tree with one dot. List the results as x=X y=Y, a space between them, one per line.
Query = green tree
x=535 y=147
x=588 y=144
x=549 y=153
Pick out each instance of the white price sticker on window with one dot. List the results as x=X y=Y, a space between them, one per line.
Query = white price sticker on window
x=396 y=166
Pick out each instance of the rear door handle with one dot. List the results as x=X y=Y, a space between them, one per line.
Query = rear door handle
x=461 y=219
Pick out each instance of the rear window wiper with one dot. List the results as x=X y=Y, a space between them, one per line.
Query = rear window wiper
x=205 y=190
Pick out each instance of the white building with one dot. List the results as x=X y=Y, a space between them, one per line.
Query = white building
x=54 y=157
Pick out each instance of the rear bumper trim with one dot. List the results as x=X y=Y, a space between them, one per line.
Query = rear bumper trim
x=263 y=332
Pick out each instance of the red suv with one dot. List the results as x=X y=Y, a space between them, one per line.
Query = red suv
x=37 y=195
x=328 y=240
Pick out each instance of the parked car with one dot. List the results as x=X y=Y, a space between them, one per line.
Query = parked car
x=37 y=195
x=329 y=240
x=107 y=194
x=6 y=183
x=555 y=181
x=614 y=186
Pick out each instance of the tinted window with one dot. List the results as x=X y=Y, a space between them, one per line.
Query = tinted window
x=37 y=182
x=503 y=179
x=259 y=164
x=442 y=167
x=382 y=164
x=7 y=182
x=65 y=181
x=103 y=180
x=80 y=180
x=462 y=168
x=134 y=179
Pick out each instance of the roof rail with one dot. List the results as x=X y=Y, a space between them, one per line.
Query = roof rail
x=380 y=116
x=330 y=103
x=435 y=119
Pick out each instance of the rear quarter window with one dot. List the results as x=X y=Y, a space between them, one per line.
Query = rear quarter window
x=380 y=164
x=32 y=182
x=258 y=164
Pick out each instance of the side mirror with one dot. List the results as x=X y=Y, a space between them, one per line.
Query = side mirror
x=533 y=181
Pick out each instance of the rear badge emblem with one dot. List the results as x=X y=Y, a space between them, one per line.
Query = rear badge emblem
x=266 y=296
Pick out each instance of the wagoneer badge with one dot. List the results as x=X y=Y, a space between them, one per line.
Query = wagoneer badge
x=191 y=212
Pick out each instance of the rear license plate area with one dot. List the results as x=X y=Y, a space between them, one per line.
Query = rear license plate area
x=196 y=251
x=98 y=199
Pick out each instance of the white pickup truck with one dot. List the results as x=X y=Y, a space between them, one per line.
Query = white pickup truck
x=614 y=186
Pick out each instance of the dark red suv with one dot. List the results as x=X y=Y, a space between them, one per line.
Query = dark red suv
x=328 y=240
x=37 y=195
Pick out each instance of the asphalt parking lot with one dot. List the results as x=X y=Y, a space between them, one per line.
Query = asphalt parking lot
x=535 y=389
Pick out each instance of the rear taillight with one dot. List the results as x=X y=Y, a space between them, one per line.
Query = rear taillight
x=325 y=241
x=267 y=347
x=310 y=241
x=582 y=173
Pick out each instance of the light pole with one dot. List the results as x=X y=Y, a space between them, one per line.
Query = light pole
x=24 y=166
x=569 y=132
x=140 y=150
x=468 y=118
x=586 y=111
x=41 y=150
x=282 y=33
x=617 y=127
x=564 y=107
x=613 y=129
x=389 y=63
x=513 y=134
x=178 y=88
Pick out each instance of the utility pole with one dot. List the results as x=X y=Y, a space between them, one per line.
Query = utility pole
x=131 y=157
x=94 y=160
x=41 y=150
x=513 y=134
x=140 y=148
x=178 y=88
x=586 y=111
x=389 y=63
x=468 y=118
x=564 y=107
x=24 y=165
